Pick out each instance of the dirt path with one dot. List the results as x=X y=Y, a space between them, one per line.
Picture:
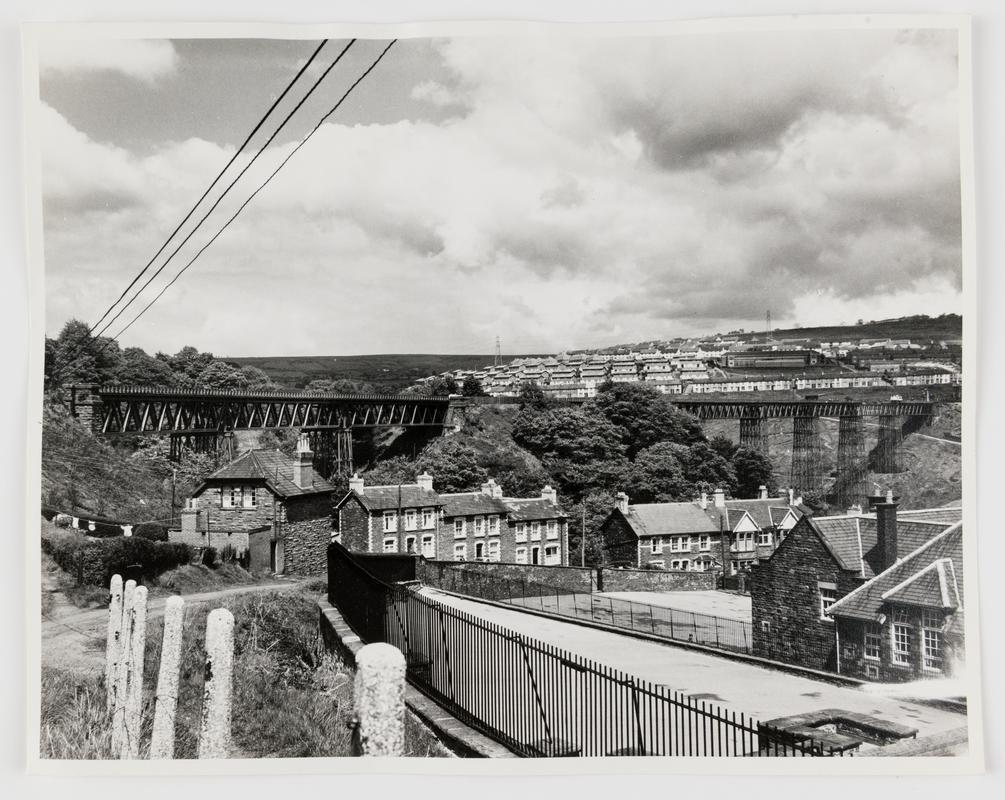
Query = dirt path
x=74 y=638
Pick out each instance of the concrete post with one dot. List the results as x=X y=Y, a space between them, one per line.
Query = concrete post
x=214 y=735
x=134 y=685
x=122 y=670
x=162 y=740
x=380 y=700
x=113 y=641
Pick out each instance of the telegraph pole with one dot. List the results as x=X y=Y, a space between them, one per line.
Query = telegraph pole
x=582 y=539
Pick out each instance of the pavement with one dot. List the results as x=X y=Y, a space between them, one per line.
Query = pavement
x=718 y=604
x=736 y=686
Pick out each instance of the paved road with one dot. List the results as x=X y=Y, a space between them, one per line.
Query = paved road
x=74 y=638
x=738 y=686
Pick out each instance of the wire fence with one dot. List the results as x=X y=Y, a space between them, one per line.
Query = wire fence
x=534 y=698
x=733 y=635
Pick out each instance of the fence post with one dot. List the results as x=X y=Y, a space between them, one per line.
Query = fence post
x=214 y=734
x=380 y=700
x=162 y=739
x=122 y=669
x=134 y=683
x=113 y=641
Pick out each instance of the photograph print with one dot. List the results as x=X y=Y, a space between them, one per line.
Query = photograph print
x=528 y=391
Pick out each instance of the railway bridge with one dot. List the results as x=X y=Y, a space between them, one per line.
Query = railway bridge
x=206 y=419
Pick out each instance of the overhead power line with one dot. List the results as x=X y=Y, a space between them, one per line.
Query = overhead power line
x=216 y=180
x=230 y=186
x=243 y=205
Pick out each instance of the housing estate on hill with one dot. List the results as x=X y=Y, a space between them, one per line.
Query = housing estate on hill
x=874 y=595
x=454 y=526
x=275 y=508
x=705 y=534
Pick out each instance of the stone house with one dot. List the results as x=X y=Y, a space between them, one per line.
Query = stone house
x=401 y=518
x=820 y=561
x=458 y=526
x=907 y=622
x=268 y=505
x=720 y=534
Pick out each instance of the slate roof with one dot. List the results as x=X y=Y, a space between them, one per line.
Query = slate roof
x=854 y=539
x=466 y=503
x=931 y=576
x=269 y=466
x=533 y=508
x=383 y=498
x=765 y=513
x=668 y=519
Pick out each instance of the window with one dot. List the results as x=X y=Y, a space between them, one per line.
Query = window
x=427 y=518
x=535 y=531
x=521 y=532
x=494 y=550
x=551 y=555
x=744 y=542
x=704 y=542
x=390 y=521
x=248 y=499
x=680 y=544
x=734 y=567
x=657 y=563
x=428 y=546
x=521 y=555
x=409 y=544
x=871 y=641
x=493 y=525
x=390 y=544
x=656 y=545
x=828 y=597
x=479 y=551
x=230 y=496
x=679 y=563
x=460 y=551
x=902 y=638
x=479 y=526
x=764 y=538
x=931 y=631
x=699 y=565
x=410 y=520
x=552 y=529
x=458 y=528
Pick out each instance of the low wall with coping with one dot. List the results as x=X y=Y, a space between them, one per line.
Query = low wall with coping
x=657 y=580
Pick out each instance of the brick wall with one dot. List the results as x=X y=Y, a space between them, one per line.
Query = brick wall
x=657 y=580
x=217 y=518
x=620 y=543
x=785 y=594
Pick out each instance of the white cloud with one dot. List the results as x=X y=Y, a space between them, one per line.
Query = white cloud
x=591 y=190
x=142 y=59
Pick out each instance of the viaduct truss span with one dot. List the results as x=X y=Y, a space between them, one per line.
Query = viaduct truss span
x=200 y=418
x=808 y=455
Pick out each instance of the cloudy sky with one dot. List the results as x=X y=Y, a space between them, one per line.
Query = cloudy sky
x=555 y=192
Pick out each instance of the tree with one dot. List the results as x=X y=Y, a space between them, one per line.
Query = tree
x=391 y=472
x=659 y=475
x=221 y=375
x=645 y=416
x=472 y=387
x=753 y=470
x=255 y=378
x=453 y=465
x=282 y=439
x=724 y=446
x=77 y=357
x=140 y=369
x=706 y=470
x=532 y=395
x=188 y=363
x=598 y=506
x=343 y=385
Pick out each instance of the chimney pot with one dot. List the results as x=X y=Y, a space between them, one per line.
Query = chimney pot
x=547 y=493
x=762 y=492
x=720 y=498
x=886 y=531
x=425 y=481
x=621 y=502
x=703 y=500
x=356 y=483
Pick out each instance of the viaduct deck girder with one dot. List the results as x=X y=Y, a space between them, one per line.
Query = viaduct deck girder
x=741 y=409
x=126 y=409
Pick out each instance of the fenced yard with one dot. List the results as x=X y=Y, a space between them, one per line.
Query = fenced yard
x=533 y=697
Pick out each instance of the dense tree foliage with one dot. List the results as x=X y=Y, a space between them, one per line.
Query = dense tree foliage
x=645 y=416
x=453 y=465
x=753 y=470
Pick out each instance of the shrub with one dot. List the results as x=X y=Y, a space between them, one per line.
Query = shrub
x=209 y=557
x=154 y=531
x=228 y=554
x=94 y=562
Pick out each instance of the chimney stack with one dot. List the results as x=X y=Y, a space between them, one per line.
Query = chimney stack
x=303 y=463
x=621 y=502
x=886 y=530
x=719 y=498
x=549 y=494
x=190 y=518
x=425 y=481
x=762 y=492
x=792 y=496
x=356 y=484
x=703 y=500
